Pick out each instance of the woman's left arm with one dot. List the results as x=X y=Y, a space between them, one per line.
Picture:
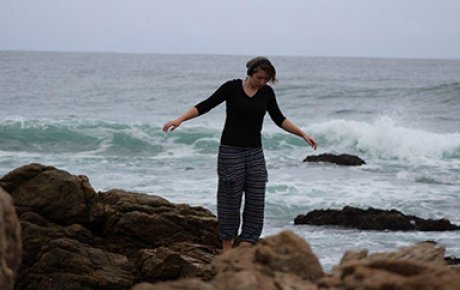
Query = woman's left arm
x=292 y=128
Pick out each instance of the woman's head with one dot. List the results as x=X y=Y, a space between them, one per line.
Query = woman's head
x=261 y=63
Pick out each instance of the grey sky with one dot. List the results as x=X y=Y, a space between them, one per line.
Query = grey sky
x=375 y=28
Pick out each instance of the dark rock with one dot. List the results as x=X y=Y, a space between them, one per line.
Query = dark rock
x=373 y=219
x=75 y=238
x=452 y=261
x=68 y=264
x=150 y=221
x=342 y=159
x=55 y=194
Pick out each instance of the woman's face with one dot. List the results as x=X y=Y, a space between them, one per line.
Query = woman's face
x=259 y=79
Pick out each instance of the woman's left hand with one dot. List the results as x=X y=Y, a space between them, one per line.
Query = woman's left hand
x=311 y=141
x=292 y=128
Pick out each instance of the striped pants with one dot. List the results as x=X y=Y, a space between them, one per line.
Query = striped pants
x=241 y=169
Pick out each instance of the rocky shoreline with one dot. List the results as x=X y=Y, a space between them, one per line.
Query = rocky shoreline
x=57 y=232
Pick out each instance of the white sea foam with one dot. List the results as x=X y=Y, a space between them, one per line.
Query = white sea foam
x=384 y=138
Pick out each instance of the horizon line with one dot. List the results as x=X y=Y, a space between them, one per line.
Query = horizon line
x=227 y=54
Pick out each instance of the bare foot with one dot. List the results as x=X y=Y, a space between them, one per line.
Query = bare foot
x=245 y=244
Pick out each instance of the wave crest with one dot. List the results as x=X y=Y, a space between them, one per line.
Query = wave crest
x=381 y=139
x=385 y=139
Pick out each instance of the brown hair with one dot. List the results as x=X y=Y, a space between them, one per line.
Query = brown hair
x=262 y=63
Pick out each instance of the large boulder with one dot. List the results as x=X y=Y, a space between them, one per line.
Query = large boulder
x=373 y=219
x=10 y=242
x=75 y=238
x=152 y=221
x=342 y=159
x=54 y=194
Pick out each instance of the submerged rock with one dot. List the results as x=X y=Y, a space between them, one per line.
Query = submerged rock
x=342 y=159
x=373 y=219
x=75 y=238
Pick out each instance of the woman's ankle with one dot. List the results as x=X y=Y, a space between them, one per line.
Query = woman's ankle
x=227 y=245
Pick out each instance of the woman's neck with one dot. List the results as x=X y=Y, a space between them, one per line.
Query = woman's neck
x=249 y=90
x=247 y=85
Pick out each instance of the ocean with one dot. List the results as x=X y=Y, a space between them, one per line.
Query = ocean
x=100 y=115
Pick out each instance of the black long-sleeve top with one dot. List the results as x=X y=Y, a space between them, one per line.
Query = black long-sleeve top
x=245 y=114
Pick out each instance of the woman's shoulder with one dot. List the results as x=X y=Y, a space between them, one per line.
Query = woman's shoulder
x=268 y=90
x=234 y=82
x=231 y=84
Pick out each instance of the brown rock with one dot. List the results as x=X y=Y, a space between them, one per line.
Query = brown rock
x=10 y=242
x=417 y=267
x=180 y=260
x=283 y=261
x=68 y=264
x=382 y=275
x=150 y=221
x=289 y=253
x=55 y=194
x=21 y=175
x=425 y=252
x=243 y=280
x=75 y=238
x=188 y=284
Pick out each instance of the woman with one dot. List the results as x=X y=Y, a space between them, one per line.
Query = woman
x=241 y=163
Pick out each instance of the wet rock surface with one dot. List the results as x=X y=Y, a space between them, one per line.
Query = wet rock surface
x=342 y=159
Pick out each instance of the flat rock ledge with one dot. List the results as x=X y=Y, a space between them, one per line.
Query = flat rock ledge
x=342 y=159
x=373 y=219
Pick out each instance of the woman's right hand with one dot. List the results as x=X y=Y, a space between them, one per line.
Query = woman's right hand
x=171 y=125
x=190 y=114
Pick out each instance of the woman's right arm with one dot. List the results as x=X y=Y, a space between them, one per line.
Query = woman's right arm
x=201 y=108
x=173 y=124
